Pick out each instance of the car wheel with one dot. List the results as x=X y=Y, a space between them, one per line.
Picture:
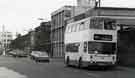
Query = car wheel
x=36 y=60
x=48 y=61
x=33 y=58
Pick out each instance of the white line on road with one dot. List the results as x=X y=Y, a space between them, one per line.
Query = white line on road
x=8 y=73
x=93 y=75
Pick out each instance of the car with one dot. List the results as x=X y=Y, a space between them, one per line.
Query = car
x=39 y=56
x=18 y=53
x=11 y=53
x=33 y=54
x=21 y=54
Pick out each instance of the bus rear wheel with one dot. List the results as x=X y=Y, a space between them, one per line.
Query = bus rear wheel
x=67 y=61
x=80 y=63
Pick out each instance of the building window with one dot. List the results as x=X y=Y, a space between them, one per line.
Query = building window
x=67 y=13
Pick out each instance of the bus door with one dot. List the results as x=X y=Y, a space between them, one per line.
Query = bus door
x=85 y=51
x=80 y=51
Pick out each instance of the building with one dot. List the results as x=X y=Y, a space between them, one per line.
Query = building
x=107 y=11
x=40 y=39
x=5 y=39
x=22 y=42
x=37 y=39
x=86 y=3
x=59 y=18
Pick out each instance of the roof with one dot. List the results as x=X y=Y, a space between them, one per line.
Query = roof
x=61 y=9
x=114 y=8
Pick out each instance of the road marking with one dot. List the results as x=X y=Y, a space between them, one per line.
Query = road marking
x=8 y=73
x=93 y=75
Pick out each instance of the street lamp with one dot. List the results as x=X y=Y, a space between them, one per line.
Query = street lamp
x=41 y=19
x=99 y=3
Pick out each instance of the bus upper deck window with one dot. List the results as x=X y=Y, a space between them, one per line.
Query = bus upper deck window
x=96 y=24
x=77 y=27
x=109 y=25
x=67 y=29
x=73 y=28
x=86 y=25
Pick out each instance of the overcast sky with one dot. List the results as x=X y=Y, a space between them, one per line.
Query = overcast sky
x=21 y=15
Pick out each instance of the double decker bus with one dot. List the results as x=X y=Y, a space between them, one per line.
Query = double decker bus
x=91 y=41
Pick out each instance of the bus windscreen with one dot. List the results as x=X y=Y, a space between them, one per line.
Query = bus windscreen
x=101 y=47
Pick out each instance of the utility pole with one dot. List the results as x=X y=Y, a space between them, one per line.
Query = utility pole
x=3 y=46
x=99 y=3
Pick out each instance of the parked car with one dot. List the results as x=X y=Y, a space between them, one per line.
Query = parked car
x=21 y=54
x=18 y=53
x=33 y=54
x=39 y=56
x=11 y=53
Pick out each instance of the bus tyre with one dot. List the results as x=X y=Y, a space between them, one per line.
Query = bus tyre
x=67 y=61
x=80 y=63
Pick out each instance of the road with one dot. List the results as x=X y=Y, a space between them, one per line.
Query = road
x=25 y=68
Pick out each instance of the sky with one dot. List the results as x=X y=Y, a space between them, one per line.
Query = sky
x=22 y=15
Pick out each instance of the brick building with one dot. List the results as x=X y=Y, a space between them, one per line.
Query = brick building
x=40 y=37
x=37 y=39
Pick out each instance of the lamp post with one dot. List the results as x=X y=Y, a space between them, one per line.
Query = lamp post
x=99 y=3
x=3 y=40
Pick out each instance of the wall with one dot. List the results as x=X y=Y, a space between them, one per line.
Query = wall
x=126 y=48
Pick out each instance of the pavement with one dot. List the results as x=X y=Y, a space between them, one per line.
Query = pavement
x=8 y=73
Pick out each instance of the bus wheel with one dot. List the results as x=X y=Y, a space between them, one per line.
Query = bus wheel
x=80 y=63
x=67 y=61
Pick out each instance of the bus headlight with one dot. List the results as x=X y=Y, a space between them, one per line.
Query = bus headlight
x=113 y=58
x=91 y=57
x=96 y=52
